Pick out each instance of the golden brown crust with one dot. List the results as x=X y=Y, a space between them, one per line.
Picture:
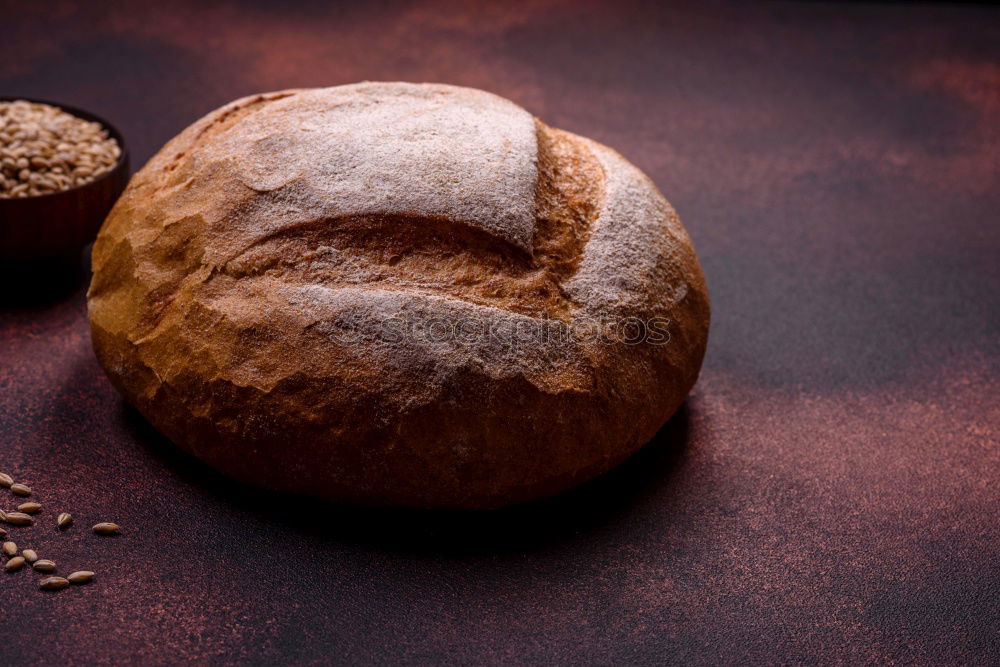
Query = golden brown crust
x=244 y=312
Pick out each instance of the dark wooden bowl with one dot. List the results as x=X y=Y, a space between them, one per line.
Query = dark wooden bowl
x=53 y=228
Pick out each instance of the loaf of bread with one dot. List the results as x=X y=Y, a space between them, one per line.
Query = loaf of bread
x=397 y=294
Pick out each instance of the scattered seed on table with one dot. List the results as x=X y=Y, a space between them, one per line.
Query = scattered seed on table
x=14 y=564
x=18 y=519
x=9 y=549
x=29 y=508
x=3 y=533
x=53 y=583
x=107 y=528
x=6 y=480
x=29 y=555
x=44 y=565
x=80 y=577
x=20 y=489
x=64 y=520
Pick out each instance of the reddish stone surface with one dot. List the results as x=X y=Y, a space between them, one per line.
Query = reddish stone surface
x=829 y=493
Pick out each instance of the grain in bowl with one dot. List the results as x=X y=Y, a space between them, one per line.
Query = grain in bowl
x=44 y=149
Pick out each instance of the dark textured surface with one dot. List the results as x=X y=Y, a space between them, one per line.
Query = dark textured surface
x=829 y=492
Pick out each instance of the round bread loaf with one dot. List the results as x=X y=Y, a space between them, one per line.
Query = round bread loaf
x=397 y=294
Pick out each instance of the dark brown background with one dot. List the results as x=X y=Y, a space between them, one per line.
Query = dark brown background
x=828 y=493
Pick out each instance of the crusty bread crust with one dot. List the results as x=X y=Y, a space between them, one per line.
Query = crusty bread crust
x=243 y=282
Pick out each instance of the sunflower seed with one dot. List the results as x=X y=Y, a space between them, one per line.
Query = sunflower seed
x=9 y=549
x=29 y=555
x=64 y=520
x=81 y=577
x=14 y=564
x=44 y=565
x=29 y=508
x=18 y=519
x=20 y=489
x=106 y=528
x=6 y=480
x=3 y=533
x=3 y=515
x=53 y=583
